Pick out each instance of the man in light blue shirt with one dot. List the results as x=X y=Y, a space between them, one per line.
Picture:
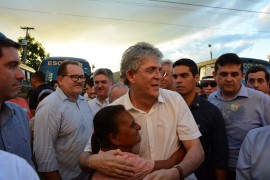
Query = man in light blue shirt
x=253 y=161
x=15 y=168
x=103 y=80
x=14 y=126
x=63 y=125
x=243 y=108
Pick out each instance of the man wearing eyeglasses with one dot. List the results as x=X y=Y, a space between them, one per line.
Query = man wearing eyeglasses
x=164 y=118
x=14 y=126
x=63 y=126
x=208 y=118
x=208 y=85
x=167 y=76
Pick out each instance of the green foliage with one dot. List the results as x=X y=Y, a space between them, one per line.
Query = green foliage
x=35 y=52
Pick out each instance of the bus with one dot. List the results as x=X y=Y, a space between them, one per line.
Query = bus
x=49 y=66
x=206 y=68
x=26 y=82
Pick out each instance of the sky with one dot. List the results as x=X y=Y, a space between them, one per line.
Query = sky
x=101 y=30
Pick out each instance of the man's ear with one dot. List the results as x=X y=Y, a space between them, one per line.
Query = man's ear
x=130 y=76
x=197 y=78
x=59 y=80
x=214 y=75
x=113 y=139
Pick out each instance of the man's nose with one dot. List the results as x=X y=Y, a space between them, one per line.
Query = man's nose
x=256 y=84
x=19 y=74
x=98 y=84
x=229 y=77
x=158 y=74
x=138 y=126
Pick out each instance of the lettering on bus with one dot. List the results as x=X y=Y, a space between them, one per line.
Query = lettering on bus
x=57 y=63
x=248 y=65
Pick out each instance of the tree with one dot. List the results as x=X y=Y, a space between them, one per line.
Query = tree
x=35 y=52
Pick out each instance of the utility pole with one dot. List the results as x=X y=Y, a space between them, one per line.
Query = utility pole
x=25 y=41
x=210 y=46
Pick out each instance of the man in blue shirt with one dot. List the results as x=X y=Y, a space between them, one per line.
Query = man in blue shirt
x=208 y=118
x=242 y=108
x=253 y=161
x=14 y=167
x=14 y=127
x=103 y=80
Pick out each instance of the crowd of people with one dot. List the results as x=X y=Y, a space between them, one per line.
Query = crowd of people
x=160 y=122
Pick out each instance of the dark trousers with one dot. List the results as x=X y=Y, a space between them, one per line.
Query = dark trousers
x=231 y=175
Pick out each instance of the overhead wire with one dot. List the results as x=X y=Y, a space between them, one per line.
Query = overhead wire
x=142 y=21
x=172 y=7
x=214 y=7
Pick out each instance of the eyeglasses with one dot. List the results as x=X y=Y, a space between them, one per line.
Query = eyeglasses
x=164 y=73
x=206 y=84
x=75 y=77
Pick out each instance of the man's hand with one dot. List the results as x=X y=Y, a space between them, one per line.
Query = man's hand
x=108 y=164
x=168 y=174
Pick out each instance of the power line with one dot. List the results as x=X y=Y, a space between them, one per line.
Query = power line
x=256 y=1
x=215 y=7
x=188 y=4
x=131 y=20
x=161 y=23
x=167 y=7
x=33 y=11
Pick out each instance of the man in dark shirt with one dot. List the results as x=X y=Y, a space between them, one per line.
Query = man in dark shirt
x=38 y=84
x=208 y=118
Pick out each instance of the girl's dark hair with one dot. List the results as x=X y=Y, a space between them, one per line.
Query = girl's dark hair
x=105 y=122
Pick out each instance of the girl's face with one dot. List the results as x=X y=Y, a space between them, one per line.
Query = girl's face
x=128 y=132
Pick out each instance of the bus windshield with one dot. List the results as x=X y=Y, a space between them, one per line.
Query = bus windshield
x=49 y=66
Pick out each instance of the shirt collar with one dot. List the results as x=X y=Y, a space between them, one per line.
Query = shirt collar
x=6 y=112
x=106 y=102
x=128 y=105
x=8 y=108
x=64 y=97
x=241 y=93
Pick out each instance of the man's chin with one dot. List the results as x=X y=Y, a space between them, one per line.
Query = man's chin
x=12 y=96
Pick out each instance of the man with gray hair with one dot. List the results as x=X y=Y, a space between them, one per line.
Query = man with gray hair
x=103 y=80
x=167 y=75
x=117 y=90
x=165 y=119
